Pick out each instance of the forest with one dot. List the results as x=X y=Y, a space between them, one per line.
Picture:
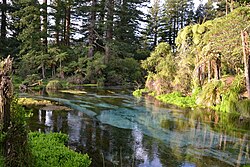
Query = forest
x=182 y=53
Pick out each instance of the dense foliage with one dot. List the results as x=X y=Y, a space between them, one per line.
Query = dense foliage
x=91 y=41
x=50 y=150
x=209 y=58
x=103 y=42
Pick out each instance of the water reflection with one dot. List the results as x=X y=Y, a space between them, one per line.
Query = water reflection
x=131 y=132
x=141 y=153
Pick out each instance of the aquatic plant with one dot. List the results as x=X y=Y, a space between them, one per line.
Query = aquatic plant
x=30 y=101
x=54 y=85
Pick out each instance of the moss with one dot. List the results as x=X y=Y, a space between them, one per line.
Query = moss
x=54 y=85
x=197 y=39
x=195 y=28
x=201 y=29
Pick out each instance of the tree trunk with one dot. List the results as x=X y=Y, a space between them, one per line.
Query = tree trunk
x=231 y=6
x=5 y=93
x=67 y=23
x=217 y=68
x=43 y=70
x=209 y=71
x=57 y=23
x=3 y=20
x=92 y=35
x=44 y=24
x=109 y=29
x=155 y=34
x=226 y=7
x=246 y=54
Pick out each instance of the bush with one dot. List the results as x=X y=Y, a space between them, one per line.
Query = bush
x=49 y=151
x=54 y=85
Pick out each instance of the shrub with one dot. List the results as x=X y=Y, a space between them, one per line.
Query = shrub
x=49 y=151
x=54 y=85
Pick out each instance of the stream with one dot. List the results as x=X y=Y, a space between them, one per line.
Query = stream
x=117 y=129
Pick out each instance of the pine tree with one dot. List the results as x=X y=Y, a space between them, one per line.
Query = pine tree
x=177 y=14
x=3 y=19
x=32 y=51
x=153 y=26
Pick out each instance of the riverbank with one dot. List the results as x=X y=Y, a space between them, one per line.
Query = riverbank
x=240 y=107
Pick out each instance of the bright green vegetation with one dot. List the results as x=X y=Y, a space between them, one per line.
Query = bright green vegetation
x=178 y=99
x=49 y=150
x=139 y=92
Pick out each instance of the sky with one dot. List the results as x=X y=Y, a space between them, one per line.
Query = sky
x=197 y=2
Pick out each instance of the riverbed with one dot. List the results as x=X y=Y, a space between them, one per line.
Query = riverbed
x=117 y=129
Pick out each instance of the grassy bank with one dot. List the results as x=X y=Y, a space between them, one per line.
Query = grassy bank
x=175 y=98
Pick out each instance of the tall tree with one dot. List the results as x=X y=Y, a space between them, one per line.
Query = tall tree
x=3 y=19
x=91 y=28
x=246 y=58
x=177 y=14
x=205 y=12
x=153 y=26
x=109 y=29
x=44 y=23
x=32 y=51
x=67 y=19
x=58 y=14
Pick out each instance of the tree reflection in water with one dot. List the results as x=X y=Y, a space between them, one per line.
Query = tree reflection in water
x=132 y=132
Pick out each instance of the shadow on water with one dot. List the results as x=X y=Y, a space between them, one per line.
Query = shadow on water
x=116 y=129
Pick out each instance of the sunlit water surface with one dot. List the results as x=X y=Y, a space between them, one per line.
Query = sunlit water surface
x=116 y=129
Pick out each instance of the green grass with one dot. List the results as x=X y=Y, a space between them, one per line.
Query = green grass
x=49 y=150
x=178 y=99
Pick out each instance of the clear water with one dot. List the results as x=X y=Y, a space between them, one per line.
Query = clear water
x=116 y=129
